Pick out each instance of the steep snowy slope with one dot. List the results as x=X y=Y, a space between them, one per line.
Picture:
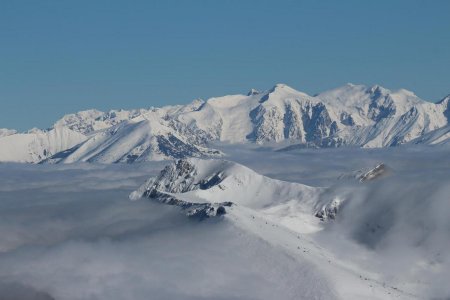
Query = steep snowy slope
x=439 y=136
x=139 y=139
x=35 y=145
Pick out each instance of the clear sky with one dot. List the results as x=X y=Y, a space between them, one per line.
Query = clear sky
x=63 y=56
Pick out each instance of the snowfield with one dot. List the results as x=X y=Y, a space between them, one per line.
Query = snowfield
x=71 y=231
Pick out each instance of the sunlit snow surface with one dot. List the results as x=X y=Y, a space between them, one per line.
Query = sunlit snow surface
x=70 y=232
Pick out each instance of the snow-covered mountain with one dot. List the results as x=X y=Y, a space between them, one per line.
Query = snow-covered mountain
x=134 y=140
x=205 y=186
x=352 y=115
x=6 y=132
x=36 y=145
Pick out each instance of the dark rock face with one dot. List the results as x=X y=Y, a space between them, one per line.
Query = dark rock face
x=381 y=107
x=328 y=212
x=221 y=211
x=317 y=122
x=378 y=171
x=175 y=178
x=178 y=178
x=195 y=210
x=171 y=146
x=210 y=182
x=347 y=119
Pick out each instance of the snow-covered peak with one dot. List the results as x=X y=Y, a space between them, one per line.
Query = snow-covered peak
x=253 y=92
x=284 y=88
x=6 y=132
x=347 y=95
x=378 y=90
x=35 y=130
x=82 y=121
x=444 y=104
x=280 y=92
x=358 y=94
x=219 y=181
x=406 y=92
x=196 y=103
x=445 y=100
x=353 y=94
x=90 y=121
x=406 y=98
x=167 y=111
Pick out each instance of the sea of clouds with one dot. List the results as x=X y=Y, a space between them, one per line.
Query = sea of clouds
x=70 y=232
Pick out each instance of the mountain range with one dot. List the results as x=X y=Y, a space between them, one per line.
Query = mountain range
x=351 y=115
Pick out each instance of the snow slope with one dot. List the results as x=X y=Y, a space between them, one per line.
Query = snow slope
x=440 y=136
x=37 y=144
x=139 y=139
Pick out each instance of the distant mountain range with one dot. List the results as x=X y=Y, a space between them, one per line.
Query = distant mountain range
x=351 y=115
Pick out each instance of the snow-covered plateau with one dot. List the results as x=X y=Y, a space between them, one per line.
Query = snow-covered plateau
x=348 y=116
x=332 y=223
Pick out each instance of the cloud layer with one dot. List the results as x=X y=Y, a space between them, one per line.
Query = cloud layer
x=69 y=231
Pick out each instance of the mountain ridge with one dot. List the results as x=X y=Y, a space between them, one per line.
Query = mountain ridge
x=351 y=115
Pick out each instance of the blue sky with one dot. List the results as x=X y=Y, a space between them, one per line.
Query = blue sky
x=60 y=56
